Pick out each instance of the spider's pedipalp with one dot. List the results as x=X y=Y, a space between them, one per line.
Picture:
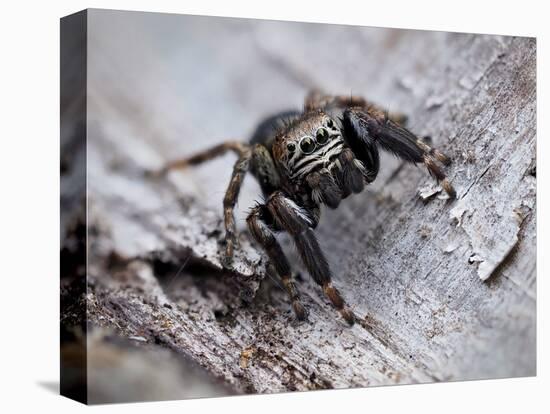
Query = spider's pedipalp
x=324 y=189
x=351 y=173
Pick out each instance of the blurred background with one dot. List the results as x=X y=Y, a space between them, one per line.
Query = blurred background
x=180 y=83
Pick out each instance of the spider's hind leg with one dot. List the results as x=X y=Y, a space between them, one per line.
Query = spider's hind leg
x=232 y=193
x=216 y=151
x=230 y=199
x=316 y=99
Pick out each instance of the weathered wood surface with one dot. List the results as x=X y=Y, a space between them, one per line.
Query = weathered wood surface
x=446 y=289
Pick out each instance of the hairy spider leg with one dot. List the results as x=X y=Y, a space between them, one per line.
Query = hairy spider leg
x=258 y=223
x=230 y=200
x=232 y=193
x=374 y=127
x=299 y=223
x=316 y=100
x=216 y=151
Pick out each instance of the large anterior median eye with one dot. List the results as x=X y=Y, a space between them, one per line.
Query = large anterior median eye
x=322 y=136
x=307 y=145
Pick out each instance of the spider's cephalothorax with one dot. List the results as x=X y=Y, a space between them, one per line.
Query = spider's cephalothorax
x=308 y=145
x=315 y=161
x=305 y=159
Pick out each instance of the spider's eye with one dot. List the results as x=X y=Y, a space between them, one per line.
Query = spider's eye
x=307 y=145
x=321 y=136
x=291 y=147
x=330 y=123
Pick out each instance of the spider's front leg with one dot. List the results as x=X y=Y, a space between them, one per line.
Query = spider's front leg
x=260 y=223
x=299 y=223
x=372 y=126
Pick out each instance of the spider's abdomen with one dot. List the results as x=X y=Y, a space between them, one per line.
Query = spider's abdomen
x=266 y=131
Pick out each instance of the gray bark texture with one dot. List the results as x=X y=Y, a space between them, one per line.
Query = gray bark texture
x=446 y=290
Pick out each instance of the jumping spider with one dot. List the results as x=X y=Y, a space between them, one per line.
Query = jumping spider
x=303 y=160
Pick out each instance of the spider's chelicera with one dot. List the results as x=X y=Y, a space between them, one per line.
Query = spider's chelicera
x=305 y=159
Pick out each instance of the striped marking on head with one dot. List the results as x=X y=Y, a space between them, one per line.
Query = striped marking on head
x=320 y=157
x=310 y=143
x=320 y=143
